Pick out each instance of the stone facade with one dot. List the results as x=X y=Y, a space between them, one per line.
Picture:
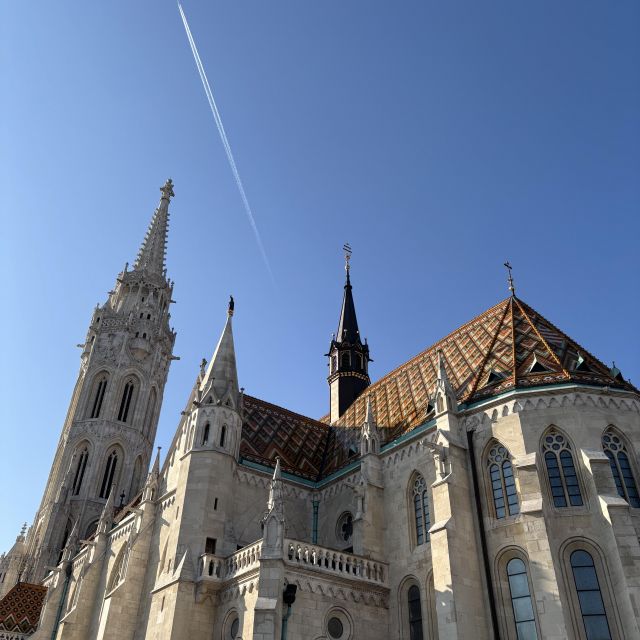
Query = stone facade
x=512 y=514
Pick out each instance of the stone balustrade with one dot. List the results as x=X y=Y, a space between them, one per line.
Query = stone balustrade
x=214 y=567
x=337 y=563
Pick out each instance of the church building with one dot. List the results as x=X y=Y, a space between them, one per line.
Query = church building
x=487 y=489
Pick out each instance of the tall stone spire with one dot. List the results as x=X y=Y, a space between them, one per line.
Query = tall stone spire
x=221 y=377
x=123 y=370
x=152 y=254
x=348 y=356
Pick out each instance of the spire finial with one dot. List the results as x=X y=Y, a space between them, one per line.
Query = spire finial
x=152 y=254
x=512 y=286
x=232 y=305
x=167 y=190
x=347 y=257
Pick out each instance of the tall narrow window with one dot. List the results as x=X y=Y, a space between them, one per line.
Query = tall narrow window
x=223 y=434
x=503 y=486
x=125 y=403
x=563 y=478
x=415 y=613
x=616 y=450
x=421 y=510
x=594 y=616
x=521 y=603
x=109 y=474
x=80 y=469
x=205 y=434
x=151 y=409
x=98 y=397
x=345 y=360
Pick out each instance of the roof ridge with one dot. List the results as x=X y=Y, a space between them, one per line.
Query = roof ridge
x=438 y=343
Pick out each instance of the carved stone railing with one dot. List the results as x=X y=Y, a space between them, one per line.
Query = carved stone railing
x=336 y=563
x=212 y=567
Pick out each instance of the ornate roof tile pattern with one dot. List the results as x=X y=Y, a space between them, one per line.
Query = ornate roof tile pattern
x=509 y=346
x=269 y=431
x=21 y=606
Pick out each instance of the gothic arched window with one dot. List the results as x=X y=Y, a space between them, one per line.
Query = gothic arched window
x=223 y=434
x=415 y=613
x=109 y=473
x=503 y=486
x=594 y=616
x=561 y=470
x=97 y=396
x=205 y=434
x=421 y=515
x=616 y=450
x=521 y=603
x=126 y=401
x=345 y=360
x=80 y=469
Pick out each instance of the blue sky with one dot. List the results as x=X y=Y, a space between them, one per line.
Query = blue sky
x=439 y=139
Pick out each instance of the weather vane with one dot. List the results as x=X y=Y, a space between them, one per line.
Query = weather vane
x=512 y=286
x=347 y=255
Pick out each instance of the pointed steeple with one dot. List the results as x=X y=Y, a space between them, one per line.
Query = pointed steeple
x=445 y=396
x=348 y=324
x=276 y=495
x=152 y=254
x=348 y=356
x=221 y=376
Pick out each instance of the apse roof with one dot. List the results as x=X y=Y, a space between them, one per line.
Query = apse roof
x=510 y=346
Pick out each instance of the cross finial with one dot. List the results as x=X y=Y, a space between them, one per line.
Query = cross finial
x=232 y=305
x=512 y=286
x=347 y=256
x=167 y=190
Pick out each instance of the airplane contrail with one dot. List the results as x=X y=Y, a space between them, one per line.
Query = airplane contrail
x=224 y=139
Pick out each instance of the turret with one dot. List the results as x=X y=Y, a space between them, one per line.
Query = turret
x=348 y=355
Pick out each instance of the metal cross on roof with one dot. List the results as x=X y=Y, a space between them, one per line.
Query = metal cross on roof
x=512 y=286
x=347 y=255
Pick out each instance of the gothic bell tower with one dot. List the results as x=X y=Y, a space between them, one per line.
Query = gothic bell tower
x=107 y=438
x=348 y=356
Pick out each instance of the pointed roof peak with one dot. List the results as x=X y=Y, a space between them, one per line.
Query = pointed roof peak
x=222 y=373
x=348 y=325
x=369 y=416
x=152 y=254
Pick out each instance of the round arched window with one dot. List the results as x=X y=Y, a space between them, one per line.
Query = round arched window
x=338 y=625
x=335 y=628
x=344 y=528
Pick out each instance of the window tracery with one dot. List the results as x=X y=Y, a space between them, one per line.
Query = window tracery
x=563 y=478
x=422 y=518
x=616 y=450
x=503 y=486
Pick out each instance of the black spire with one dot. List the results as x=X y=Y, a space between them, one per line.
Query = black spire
x=348 y=356
x=348 y=325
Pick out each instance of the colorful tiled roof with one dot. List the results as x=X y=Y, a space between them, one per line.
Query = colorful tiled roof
x=509 y=346
x=306 y=447
x=269 y=431
x=21 y=606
